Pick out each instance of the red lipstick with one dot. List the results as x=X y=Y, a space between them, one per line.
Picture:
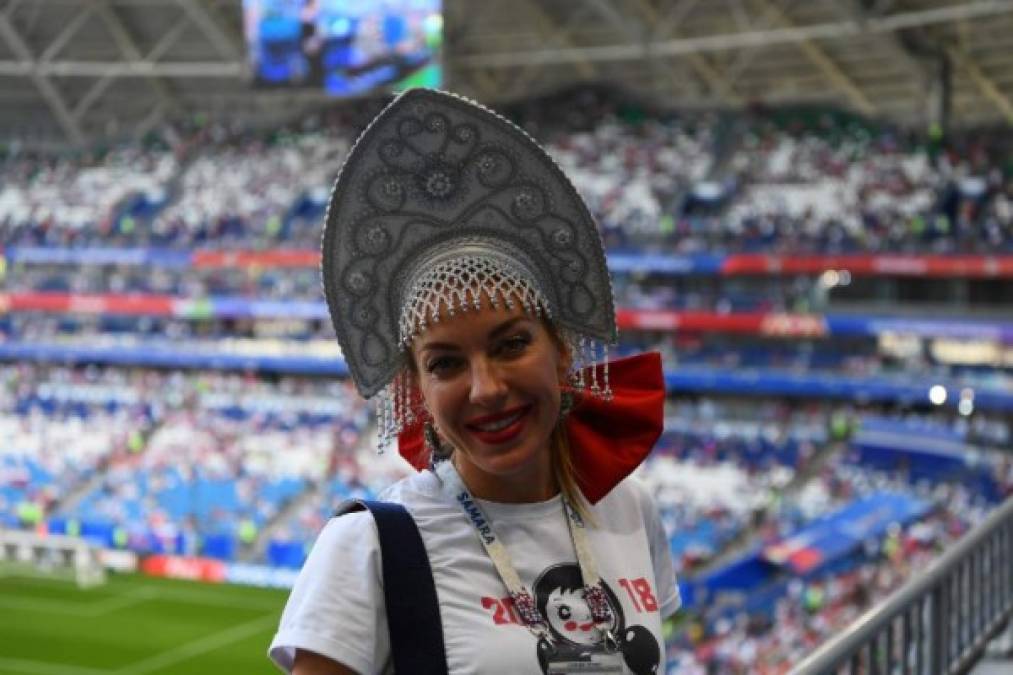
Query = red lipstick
x=500 y=434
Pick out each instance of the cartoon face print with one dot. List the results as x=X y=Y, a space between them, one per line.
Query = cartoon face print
x=559 y=595
x=569 y=617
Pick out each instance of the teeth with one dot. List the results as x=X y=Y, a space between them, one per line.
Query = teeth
x=502 y=424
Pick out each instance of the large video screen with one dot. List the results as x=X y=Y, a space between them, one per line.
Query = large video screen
x=345 y=47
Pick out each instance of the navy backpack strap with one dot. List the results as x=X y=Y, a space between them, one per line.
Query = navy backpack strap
x=413 y=612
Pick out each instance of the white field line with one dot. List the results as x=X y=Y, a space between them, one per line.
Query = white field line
x=209 y=597
x=28 y=667
x=128 y=599
x=136 y=596
x=133 y=597
x=48 y=606
x=202 y=646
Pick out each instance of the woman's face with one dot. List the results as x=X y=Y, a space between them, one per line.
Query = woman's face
x=491 y=380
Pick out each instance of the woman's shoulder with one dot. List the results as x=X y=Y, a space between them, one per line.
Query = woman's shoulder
x=353 y=528
x=356 y=524
x=631 y=500
x=629 y=492
x=419 y=493
x=347 y=527
x=420 y=488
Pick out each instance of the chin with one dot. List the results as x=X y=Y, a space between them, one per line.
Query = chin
x=513 y=461
x=506 y=461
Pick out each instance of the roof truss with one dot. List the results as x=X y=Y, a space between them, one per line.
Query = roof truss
x=126 y=65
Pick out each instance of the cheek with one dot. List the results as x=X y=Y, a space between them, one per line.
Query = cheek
x=443 y=399
x=551 y=397
x=541 y=379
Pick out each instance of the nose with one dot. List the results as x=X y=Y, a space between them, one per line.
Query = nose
x=488 y=388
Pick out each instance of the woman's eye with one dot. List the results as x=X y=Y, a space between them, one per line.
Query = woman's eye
x=515 y=345
x=441 y=365
x=564 y=612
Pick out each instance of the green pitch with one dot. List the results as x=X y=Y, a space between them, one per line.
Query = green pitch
x=135 y=625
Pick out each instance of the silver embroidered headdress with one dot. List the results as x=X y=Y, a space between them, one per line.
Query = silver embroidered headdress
x=440 y=204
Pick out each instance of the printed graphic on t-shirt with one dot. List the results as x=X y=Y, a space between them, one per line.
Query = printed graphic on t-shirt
x=559 y=593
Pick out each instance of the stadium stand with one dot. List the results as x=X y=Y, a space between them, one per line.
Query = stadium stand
x=177 y=392
x=837 y=186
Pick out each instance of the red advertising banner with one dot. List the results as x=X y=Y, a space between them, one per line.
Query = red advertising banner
x=156 y=305
x=178 y=567
x=872 y=265
x=276 y=258
x=785 y=325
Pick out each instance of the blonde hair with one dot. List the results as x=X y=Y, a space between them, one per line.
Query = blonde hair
x=559 y=442
x=566 y=472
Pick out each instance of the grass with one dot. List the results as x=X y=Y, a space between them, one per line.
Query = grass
x=135 y=625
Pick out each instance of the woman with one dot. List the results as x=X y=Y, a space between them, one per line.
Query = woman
x=468 y=289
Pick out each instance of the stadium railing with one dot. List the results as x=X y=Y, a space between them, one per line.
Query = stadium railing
x=939 y=622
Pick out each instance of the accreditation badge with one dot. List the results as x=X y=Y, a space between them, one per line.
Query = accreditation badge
x=585 y=661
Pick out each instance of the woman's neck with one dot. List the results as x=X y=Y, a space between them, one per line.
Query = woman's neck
x=537 y=485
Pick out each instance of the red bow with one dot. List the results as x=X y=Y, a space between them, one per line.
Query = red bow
x=608 y=439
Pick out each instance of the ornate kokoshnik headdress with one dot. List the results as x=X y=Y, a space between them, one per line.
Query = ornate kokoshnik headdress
x=442 y=203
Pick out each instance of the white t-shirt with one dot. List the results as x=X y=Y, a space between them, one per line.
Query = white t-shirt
x=337 y=605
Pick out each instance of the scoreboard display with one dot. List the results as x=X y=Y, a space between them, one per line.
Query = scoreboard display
x=345 y=47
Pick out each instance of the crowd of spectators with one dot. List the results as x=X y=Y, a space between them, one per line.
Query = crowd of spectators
x=691 y=182
x=257 y=283
x=50 y=446
x=856 y=192
x=201 y=186
x=764 y=455
x=812 y=608
x=168 y=461
x=250 y=193
x=631 y=176
x=58 y=201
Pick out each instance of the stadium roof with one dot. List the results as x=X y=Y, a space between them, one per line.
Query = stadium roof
x=81 y=70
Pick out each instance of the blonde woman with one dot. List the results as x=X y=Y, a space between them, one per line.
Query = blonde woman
x=468 y=289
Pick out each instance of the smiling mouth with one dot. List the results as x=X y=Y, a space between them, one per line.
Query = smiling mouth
x=493 y=423
x=502 y=427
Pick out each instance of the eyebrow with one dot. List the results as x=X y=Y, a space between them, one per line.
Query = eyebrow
x=493 y=334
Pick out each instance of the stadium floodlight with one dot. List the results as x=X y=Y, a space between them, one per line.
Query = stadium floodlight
x=966 y=405
x=937 y=394
x=830 y=278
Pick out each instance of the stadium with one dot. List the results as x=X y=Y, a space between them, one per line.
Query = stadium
x=806 y=208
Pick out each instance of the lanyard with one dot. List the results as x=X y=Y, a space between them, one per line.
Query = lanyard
x=594 y=594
